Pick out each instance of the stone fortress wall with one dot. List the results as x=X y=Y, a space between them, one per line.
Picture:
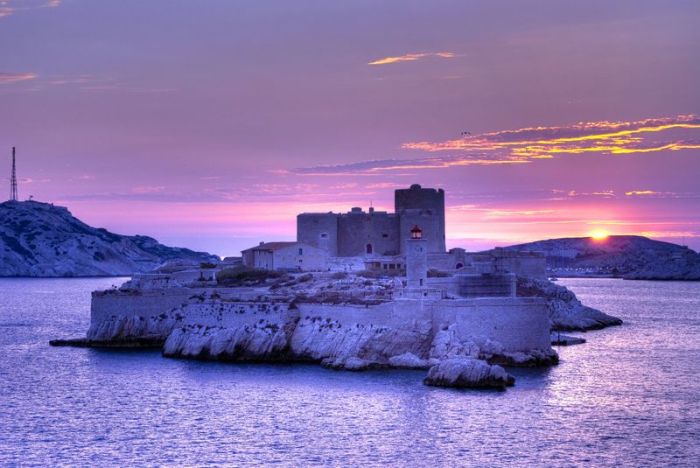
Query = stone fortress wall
x=319 y=230
x=367 y=233
x=205 y=320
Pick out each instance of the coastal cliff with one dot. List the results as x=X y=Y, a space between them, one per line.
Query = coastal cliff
x=44 y=240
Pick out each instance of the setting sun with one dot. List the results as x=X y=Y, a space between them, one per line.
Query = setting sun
x=599 y=234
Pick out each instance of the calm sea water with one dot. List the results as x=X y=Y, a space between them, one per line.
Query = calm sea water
x=627 y=397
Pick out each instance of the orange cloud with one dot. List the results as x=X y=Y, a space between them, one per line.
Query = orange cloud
x=411 y=57
x=640 y=192
x=525 y=145
x=589 y=137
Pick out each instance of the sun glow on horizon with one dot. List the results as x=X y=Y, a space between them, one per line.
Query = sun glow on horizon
x=599 y=234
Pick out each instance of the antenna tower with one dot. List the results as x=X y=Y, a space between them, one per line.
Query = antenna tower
x=13 y=180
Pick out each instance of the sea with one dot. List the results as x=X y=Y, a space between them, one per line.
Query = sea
x=630 y=396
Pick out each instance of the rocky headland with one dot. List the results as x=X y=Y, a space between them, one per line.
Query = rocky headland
x=628 y=257
x=44 y=240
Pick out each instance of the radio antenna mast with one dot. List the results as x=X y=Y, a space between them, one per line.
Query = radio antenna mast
x=13 y=180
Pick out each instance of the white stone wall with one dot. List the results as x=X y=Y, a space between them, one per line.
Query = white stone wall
x=310 y=258
x=519 y=324
x=119 y=315
x=246 y=325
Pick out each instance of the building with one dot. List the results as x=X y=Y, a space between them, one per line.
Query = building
x=292 y=256
x=380 y=241
x=372 y=233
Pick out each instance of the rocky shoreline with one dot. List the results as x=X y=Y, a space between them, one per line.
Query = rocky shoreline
x=566 y=312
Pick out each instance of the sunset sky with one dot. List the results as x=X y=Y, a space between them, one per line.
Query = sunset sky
x=210 y=124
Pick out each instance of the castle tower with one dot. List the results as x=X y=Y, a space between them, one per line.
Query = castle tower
x=424 y=207
x=416 y=260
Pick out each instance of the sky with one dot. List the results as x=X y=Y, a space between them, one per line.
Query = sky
x=210 y=124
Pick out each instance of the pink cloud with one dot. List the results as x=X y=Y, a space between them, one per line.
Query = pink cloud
x=8 y=78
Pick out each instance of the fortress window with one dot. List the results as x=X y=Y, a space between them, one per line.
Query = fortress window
x=385 y=235
x=369 y=248
x=301 y=251
x=324 y=235
x=459 y=266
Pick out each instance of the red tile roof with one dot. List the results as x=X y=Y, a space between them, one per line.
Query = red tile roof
x=272 y=246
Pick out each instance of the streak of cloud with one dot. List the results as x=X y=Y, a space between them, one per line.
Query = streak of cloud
x=9 y=7
x=411 y=57
x=640 y=193
x=522 y=146
x=8 y=78
x=583 y=137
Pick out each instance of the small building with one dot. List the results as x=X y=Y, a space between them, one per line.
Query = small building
x=289 y=256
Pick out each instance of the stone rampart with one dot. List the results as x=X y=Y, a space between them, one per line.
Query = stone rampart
x=246 y=325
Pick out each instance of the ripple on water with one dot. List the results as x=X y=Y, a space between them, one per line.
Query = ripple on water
x=628 y=396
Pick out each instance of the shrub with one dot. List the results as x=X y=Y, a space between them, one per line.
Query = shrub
x=244 y=276
x=339 y=275
x=369 y=274
x=207 y=265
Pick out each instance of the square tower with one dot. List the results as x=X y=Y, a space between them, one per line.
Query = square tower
x=424 y=207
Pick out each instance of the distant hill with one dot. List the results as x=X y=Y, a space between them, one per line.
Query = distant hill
x=630 y=257
x=40 y=239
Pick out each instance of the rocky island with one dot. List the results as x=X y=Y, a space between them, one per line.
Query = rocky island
x=628 y=257
x=356 y=291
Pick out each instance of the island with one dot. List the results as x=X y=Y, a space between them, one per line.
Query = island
x=357 y=290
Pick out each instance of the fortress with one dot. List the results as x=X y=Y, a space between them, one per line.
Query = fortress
x=378 y=240
x=378 y=233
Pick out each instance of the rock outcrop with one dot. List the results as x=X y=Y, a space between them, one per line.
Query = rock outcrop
x=565 y=340
x=466 y=372
x=565 y=310
x=43 y=240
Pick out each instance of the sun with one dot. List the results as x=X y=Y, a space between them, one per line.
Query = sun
x=599 y=234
